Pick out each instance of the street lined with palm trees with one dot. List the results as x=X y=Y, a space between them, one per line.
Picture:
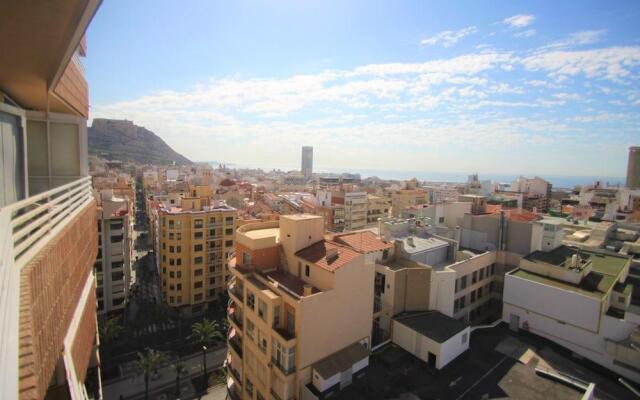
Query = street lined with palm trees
x=151 y=351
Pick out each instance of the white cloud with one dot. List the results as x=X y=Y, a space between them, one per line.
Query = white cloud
x=519 y=21
x=579 y=38
x=525 y=33
x=449 y=38
x=613 y=63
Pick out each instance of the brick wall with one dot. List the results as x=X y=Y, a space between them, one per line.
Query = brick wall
x=85 y=337
x=50 y=288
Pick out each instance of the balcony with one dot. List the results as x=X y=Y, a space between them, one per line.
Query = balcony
x=377 y=304
x=235 y=342
x=286 y=335
x=233 y=390
x=236 y=292
x=234 y=374
x=49 y=237
x=235 y=316
x=286 y=371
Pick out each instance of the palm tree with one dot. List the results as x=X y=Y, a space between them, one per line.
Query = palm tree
x=146 y=364
x=109 y=331
x=205 y=333
x=179 y=371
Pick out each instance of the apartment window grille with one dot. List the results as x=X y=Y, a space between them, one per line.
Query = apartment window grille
x=251 y=300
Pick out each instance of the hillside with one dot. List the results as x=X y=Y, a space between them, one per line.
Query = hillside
x=122 y=140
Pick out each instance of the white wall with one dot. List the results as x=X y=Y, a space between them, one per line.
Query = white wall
x=443 y=287
x=420 y=345
x=453 y=347
x=553 y=302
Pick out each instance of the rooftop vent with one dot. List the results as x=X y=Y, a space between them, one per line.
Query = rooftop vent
x=307 y=290
x=332 y=255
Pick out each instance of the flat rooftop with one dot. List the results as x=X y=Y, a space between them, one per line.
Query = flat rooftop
x=421 y=244
x=263 y=233
x=482 y=372
x=432 y=324
x=605 y=270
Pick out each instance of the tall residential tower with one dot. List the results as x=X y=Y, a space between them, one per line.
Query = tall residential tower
x=307 y=161
x=633 y=167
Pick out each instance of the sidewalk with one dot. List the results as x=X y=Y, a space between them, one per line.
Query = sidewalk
x=134 y=384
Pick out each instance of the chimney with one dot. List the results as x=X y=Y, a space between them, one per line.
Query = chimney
x=307 y=290
x=574 y=261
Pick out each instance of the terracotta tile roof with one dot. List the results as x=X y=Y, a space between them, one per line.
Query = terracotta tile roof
x=317 y=254
x=364 y=242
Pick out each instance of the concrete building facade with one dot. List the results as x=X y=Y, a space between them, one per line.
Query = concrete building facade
x=633 y=168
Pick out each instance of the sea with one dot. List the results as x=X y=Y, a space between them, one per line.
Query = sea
x=558 y=181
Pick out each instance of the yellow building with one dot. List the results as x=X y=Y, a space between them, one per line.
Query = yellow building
x=377 y=207
x=404 y=198
x=295 y=327
x=195 y=241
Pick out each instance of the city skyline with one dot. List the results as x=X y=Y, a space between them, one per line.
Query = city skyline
x=453 y=91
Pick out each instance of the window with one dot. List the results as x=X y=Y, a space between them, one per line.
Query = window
x=262 y=342
x=172 y=287
x=385 y=254
x=117 y=276
x=482 y=274
x=197 y=223
x=171 y=299
x=228 y=220
x=463 y=282
x=251 y=300
x=172 y=249
x=164 y=270
x=178 y=249
x=179 y=300
x=212 y=281
x=212 y=220
x=212 y=232
x=249 y=387
x=441 y=220
x=198 y=235
x=474 y=279
x=164 y=246
x=172 y=274
x=179 y=274
x=197 y=285
x=473 y=297
x=228 y=231
x=228 y=243
x=197 y=260
x=197 y=272
x=250 y=329
x=493 y=269
x=178 y=261
x=172 y=261
x=171 y=224
x=462 y=302
x=306 y=270
x=197 y=297
x=479 y=293
x=117 y=264
x=262 y=310
x=246 y=258
x=197 y=247
x=179 y=286
x=116 y=239
x=171 y=236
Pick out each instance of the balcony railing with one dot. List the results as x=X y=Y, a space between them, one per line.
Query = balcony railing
x=35 y=219
x=235 y=344
x=285 y=370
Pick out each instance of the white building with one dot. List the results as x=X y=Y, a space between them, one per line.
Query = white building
x=355 y=210
x=115 y=247
x=580 y=300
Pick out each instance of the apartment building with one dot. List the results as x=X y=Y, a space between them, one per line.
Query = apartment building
x=194 y=242
x=377 y=207
x=115 y=252
x=47 y=211
x=296 y=329
x=403 y=198
x=582 y=300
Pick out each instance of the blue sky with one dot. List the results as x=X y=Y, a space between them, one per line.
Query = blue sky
x=500 y=87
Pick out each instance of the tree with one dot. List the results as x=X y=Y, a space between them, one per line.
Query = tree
x=180 y=368
x=146 y=364
x=205 y=333
x=109 y=331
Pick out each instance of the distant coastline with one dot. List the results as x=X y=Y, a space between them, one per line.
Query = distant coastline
x=558 y=181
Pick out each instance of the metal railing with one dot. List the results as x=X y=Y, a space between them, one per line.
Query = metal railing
x=35 y=218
